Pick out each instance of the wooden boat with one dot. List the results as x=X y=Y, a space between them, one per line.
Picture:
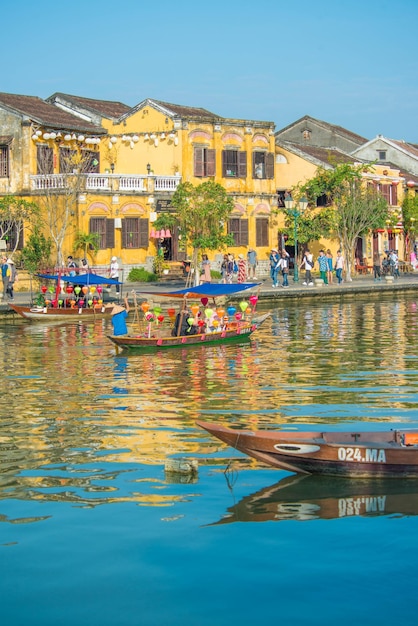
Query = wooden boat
x=392 y=453
x=305 y=498
x=51 y=314
x=210 y=326
x=66 y=304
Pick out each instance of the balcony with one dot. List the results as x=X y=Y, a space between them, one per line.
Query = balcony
x=111 y=183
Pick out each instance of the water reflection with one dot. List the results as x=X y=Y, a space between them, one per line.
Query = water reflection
x=82 y=424
x=306 y=498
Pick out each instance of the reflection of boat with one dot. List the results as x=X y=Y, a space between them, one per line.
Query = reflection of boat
x=80 y=299
x=304 y=498
x=195 y=324
x=392 y=453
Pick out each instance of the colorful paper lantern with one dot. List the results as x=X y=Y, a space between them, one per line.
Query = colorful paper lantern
x=208 y=313
x=194 y=309
x=99 y=289
x=204 y=301
x=160 y=318
x=84 y=289
x=243 y=305
x=238 y=316
x=145 y=307
x=171 y=313
x=253 y=300
x=77 y=290
x=190 y=321
x=44 y=289
x=231 y=310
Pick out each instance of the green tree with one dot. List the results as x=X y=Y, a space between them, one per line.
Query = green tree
x=357 y=207
x=37 y=252
x=88 y=242
x=202 y=212
x=410 y=219
x=14 y=213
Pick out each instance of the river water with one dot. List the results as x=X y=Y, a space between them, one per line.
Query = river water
x=94 y=530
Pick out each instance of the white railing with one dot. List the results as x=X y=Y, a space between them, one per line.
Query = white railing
x=166 y=183
x=132 y=183
x=97 y=182
x=48 y=181
x=109 y=182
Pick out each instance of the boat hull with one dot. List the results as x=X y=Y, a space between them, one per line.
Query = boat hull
x=128 y=342
x=359 y=454
x=39 y=314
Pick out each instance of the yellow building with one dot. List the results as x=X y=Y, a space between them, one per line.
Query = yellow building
x=298 y=163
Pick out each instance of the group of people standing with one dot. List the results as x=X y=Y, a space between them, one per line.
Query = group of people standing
x=279 y=264
x=9 y=277
x=243 y=268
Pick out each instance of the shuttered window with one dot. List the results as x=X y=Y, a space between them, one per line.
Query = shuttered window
x=66 y=160
x=238 y=228
x=105 y=228
x=4 y=161
x=44 y=160
x=263 y=165
x=261 y=231
x=234 y=164
x=204 y=162
x=135 y=232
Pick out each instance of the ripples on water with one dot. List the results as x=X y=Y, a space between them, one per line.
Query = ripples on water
x=84 y=426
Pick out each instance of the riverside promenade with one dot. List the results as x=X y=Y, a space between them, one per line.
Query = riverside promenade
x=360 y=285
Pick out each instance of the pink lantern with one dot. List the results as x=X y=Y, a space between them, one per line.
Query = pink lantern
x=99 y=289
x=167 y=233
x=152 y=233
x=162 y=233
x=157 y=234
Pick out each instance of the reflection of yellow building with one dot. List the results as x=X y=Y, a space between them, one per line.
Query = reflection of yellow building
x=136 y=157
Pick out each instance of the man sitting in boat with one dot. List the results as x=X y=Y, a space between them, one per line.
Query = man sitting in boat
x=119 y=315
x=182 y=325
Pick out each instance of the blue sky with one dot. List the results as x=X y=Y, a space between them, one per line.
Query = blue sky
x=347 y=63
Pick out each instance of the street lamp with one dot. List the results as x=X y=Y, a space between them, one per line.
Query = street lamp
x=296 y=213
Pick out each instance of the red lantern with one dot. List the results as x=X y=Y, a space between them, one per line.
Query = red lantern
x=44 y=289
x=69 y=289
x=160 y=318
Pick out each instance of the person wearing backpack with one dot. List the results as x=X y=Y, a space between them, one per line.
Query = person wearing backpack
x=307 y=263
x=283 y=266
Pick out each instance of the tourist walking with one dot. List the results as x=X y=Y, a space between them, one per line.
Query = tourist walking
x=339 y=266
x=307 y=263
x=323 y=266
x=205 y=276
x=5 y=273
x=274 y=259
x=114 y=271
x=377 y=266
x=252 y=263
x=330 y=266
x=12 y=277
x=283 y=266
x=242 y=269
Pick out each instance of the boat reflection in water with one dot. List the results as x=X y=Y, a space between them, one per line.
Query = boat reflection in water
x=305 y=498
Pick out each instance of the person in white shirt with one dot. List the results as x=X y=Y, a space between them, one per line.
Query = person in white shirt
x=307 y=263
x=114 y=271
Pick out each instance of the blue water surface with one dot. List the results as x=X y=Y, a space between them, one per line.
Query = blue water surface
x=95 y=531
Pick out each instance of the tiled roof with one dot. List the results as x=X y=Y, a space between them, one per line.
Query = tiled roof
x=337 y=129
x=408 y=147
x=105 y=108
x=327 y=156
x=187 y=111
x=47 y=114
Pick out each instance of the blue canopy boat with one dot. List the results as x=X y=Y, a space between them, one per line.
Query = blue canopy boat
x=74 y=297
x=196 y=321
